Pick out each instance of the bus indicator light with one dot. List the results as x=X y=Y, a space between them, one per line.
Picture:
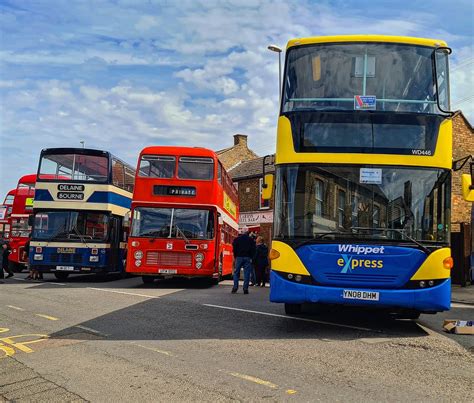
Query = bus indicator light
x=448 y=263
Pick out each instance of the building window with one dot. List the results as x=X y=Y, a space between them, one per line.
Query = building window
x=341 y=202
x=319 y=191
x=264 y=204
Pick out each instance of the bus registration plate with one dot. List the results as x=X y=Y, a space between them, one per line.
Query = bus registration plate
x=65 y=268
x=363 y=295
x=167 y=271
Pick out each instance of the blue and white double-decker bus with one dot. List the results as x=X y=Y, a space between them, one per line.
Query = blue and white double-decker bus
x=82 y=196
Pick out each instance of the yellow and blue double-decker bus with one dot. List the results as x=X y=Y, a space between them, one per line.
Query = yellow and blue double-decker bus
x=363 y=175
x=81 y=199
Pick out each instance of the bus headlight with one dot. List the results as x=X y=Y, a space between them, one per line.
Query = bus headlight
x=199 y=257
x=93 y=258
x=198 y=265
x=138 y=254
x=138 y=263
x=37 y=256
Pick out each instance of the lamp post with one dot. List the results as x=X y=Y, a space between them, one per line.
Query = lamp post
x=278 y=50
x=82 y=142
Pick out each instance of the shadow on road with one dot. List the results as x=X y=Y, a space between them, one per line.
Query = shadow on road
x=173 y=317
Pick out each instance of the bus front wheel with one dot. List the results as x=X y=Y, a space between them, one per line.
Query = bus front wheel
x=292 y=309
x=148 y=279
x=61 y=276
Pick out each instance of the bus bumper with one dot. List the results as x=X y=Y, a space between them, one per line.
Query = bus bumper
x=433 y=299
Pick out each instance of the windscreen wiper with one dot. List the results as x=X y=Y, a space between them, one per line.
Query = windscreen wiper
x=401 y=232
x=179 y=230
x=81 y=237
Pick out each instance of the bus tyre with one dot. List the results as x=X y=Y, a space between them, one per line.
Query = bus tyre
x=148 y=279
x=61 y=276
x=292 y=309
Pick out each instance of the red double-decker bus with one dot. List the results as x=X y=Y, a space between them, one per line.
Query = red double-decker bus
x=20 y=229
x=5 y=212
x=184 y=215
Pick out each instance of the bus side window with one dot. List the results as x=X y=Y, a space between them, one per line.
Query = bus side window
x=219 y=172
x=118 y=174
x=129 y=179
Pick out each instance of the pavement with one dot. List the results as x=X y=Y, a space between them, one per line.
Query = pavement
x=464 y=295
x=120 y=340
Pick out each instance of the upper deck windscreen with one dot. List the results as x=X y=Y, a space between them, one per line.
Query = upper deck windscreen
x=76 y=167
x=389 y=77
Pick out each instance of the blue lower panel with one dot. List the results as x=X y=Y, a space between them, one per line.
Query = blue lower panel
x=430 y=299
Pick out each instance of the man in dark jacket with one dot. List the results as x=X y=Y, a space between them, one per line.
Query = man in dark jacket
x=261 y=262
x=5 y=252
x=244 y=250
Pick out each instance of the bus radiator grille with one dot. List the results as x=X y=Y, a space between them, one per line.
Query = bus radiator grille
x=156 y=258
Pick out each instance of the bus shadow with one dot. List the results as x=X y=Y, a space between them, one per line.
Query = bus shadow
x=167 y=318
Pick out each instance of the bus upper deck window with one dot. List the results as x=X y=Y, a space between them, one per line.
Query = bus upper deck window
x=157 y=166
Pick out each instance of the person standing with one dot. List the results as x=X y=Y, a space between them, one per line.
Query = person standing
x=6 y=250
x=244 y=251
x=261 y=262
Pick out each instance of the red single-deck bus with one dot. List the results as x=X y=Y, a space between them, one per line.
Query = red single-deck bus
x=20 y=229
x=184 y=215
x=5 y=213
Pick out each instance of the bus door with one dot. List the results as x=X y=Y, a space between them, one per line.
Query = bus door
x=115 y=253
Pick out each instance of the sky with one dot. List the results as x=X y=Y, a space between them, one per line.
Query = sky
x=121 y=75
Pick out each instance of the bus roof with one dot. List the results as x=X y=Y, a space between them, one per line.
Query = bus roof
x=31 y=178
x=179 y=151
x=10 y=193
x=366 y=38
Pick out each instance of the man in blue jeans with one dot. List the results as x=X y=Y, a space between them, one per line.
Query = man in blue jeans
x=244 y=251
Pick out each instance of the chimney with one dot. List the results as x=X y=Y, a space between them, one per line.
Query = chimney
x=240 y=140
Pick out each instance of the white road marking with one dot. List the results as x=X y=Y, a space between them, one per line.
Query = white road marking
x=89 y=329
x=322 y=322
x=123 y=292
x=15 y=307
x=461 y=305
x=154 y=349
x=51 y=282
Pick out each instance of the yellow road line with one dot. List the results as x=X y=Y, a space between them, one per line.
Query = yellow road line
x=254 y=380
x=154 y=349
x=15 y=307
x=291 y=391
x=46 y=316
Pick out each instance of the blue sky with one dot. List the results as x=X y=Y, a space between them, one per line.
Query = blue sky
x=121 y=74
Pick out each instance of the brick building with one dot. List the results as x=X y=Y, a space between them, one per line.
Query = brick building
x=463 y=145
x=255 y=213
x=232 y=156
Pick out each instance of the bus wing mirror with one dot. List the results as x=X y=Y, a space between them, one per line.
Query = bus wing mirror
x=31 y=220
x=467 y=188
x=126 y=219
x=267 y=190
x=220 y=220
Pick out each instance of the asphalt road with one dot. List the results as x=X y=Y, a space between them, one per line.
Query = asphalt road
x=119 y=340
